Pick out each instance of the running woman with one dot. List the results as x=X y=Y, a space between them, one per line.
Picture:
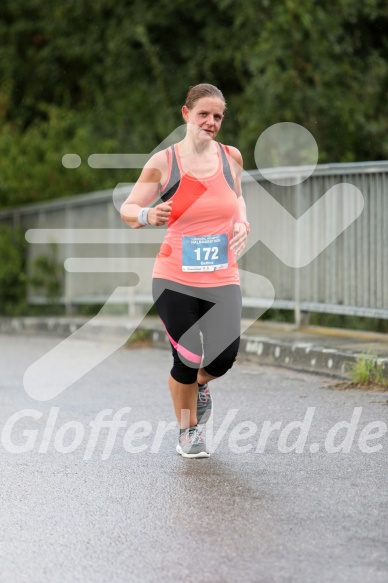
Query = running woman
x=196 y=286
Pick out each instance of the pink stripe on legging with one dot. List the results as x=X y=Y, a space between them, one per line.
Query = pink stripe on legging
x=184 y=352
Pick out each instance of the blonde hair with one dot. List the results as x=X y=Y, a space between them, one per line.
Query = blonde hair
x=202 y=90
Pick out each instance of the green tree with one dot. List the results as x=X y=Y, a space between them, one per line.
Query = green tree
x=89 y=76
x=13 y=279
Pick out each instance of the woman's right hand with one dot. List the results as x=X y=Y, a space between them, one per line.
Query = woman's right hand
x=160 y=214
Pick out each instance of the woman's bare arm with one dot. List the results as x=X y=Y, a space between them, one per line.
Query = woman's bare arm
x=145 y=191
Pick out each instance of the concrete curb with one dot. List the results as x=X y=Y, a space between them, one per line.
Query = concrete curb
x=260 y=349
x=298 y=356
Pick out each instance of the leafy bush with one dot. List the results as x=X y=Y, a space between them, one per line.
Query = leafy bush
x=47 y=275
x=13 y=278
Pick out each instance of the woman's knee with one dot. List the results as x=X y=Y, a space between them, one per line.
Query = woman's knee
x=184 y=374
x=224 y=361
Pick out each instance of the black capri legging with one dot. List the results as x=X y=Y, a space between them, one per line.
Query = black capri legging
x=203 y=326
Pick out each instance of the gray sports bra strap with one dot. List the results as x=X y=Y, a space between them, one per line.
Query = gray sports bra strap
x=226 y=168
x=174 y=180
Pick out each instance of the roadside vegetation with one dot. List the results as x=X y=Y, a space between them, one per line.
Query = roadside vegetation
x=367 y=373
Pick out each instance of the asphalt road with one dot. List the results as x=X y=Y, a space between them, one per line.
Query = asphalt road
x=85 y=503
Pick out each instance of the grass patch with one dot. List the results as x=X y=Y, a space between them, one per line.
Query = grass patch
x=367 y=373
x=367 y=370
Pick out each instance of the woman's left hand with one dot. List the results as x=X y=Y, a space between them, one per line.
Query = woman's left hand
x=239 y=239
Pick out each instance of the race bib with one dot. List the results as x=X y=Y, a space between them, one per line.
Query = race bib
x=205 y=253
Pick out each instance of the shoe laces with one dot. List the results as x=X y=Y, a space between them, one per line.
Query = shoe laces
x=193 y=436
x=203 y=394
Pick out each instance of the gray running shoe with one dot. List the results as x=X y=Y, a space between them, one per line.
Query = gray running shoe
x=192 y=444
x=204 y=404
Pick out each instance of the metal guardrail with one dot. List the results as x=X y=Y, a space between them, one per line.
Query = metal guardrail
x=101 y=254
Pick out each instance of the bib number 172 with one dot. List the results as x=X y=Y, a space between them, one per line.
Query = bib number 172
x=207 y=253
x=204 y=252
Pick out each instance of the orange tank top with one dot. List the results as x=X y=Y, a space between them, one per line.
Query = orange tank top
x=195 y=250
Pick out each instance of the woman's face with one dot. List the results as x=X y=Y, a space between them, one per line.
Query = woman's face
x=207 y=115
